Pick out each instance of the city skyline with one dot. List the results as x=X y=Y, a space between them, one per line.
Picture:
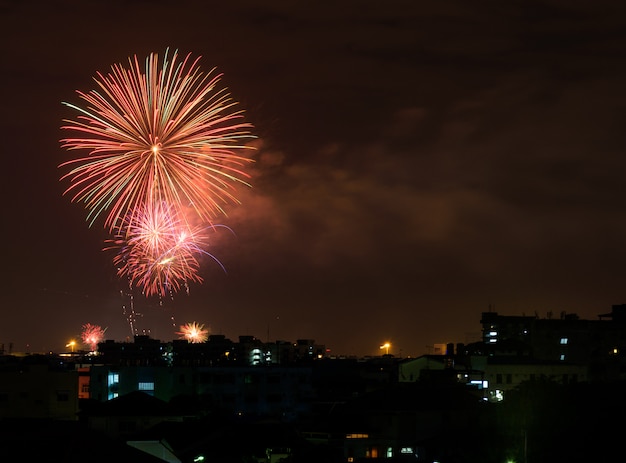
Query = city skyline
x=415 y=165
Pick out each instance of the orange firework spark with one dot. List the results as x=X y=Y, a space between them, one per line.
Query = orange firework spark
x=193 y=332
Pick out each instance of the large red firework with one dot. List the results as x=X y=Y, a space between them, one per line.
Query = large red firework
x=164 y=132
x=165 y=149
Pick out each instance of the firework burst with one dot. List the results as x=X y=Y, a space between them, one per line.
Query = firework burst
x=164 y=132
x=165 y=149
x=92 y=335
x=159 y=251
x=193 y=332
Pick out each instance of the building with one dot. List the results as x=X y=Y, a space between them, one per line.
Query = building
x=600 y=345
x=274 y=391
x=39 y=387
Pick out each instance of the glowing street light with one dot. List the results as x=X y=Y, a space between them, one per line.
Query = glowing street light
x=71 y=345
x=386 y=346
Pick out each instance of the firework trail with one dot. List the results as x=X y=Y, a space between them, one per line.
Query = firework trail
x=128 y=310
x=193 y=332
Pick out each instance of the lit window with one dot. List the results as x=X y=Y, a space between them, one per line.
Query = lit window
x=389 y=452
x=406 y=450
x=255 y=356
x=563 y=340
x=113 y=378
x=562 y=357
x=357 y=436
x=146 y=386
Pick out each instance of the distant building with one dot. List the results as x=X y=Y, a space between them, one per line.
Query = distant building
x=217 y=350
x=505 y=374
x=598 y=344
x=515 y=349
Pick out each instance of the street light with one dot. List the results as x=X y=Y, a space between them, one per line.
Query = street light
x=71 y=345
x=386 y=346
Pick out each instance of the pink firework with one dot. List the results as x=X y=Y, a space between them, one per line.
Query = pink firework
x=160 y=251
x=161 y=132
x=92 y=335
x=193 y=332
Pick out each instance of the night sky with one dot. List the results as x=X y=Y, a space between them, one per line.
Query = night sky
x=418 y=163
